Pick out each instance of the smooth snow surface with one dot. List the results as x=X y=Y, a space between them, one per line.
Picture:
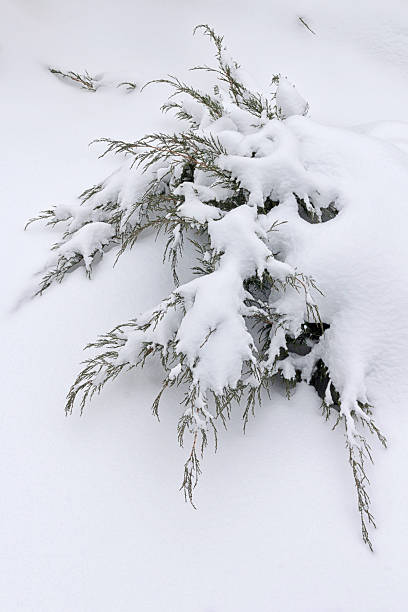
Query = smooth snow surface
x=91 y=519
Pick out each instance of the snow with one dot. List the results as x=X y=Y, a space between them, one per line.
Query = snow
x=361 y=276
x=87 y=240
x=91 y=515
x=289 y=101
x=194 y=208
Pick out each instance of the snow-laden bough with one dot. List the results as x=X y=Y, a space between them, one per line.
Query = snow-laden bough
x=276 y=207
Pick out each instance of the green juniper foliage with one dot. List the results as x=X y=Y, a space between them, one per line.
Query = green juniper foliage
x=303 y=22
x=183 y=186
x=129 y=85
x=84 y=81
x=88 y=82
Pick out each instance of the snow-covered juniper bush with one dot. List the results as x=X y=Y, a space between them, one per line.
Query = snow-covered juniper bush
x=234 y=183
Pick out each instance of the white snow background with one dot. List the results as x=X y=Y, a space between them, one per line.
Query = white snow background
x=90 y=515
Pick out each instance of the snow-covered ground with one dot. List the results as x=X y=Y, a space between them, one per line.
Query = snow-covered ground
x=90 y=516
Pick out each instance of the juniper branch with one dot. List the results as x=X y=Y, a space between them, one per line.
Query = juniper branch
x=85 y=81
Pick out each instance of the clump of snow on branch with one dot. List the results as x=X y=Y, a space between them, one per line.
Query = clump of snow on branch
x=289 y=101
